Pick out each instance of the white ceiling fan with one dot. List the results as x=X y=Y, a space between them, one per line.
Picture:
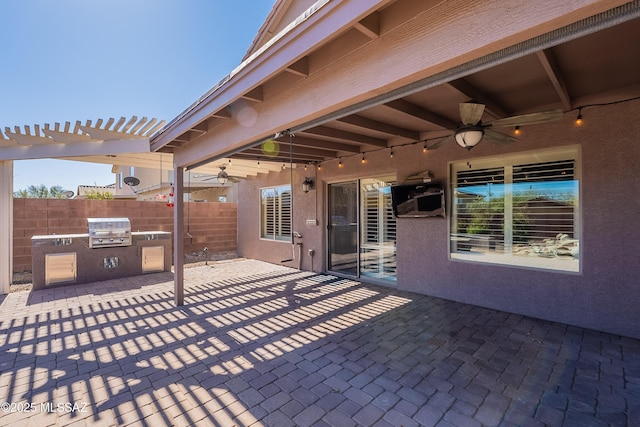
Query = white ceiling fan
x=471 y=129
x=223 y=176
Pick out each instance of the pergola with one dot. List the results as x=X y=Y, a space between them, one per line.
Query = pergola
x=116 y=142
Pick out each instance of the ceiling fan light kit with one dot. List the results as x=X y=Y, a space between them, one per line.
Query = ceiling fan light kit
x=471 y=130
x=469 y=136
x=223 y=177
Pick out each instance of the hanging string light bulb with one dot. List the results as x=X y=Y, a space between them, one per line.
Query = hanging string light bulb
x=579 y=121
x=517 y=131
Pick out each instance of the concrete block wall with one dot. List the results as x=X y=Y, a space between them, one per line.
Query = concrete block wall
x=211 y=225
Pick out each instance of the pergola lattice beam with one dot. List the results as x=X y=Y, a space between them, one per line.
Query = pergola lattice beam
x=67 y=140
x=88 y=133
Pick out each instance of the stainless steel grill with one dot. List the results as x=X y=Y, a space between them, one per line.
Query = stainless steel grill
x=109 y=232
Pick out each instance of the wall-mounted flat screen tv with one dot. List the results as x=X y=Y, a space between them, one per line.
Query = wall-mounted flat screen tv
x=418 y=200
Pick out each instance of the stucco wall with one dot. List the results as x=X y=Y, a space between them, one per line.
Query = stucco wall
x=604 y=296
x=212 y=225
x=306 y=207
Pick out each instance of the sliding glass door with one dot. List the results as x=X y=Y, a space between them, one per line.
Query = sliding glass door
x=343 y=227
x=362 y=229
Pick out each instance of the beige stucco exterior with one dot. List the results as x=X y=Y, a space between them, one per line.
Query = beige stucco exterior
x=603 y=296
x=359 y=53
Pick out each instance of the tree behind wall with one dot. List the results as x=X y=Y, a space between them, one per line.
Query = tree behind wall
x=40 y=192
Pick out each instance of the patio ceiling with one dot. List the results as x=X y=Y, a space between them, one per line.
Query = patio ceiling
x=583 y=72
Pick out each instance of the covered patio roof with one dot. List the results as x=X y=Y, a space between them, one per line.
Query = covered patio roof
x=349 y=78
x=569 y=69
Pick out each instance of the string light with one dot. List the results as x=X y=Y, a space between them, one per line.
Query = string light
x=319 y=166
x=579 y=121
x=516 y=131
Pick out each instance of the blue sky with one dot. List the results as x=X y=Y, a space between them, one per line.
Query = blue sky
x=68 y=60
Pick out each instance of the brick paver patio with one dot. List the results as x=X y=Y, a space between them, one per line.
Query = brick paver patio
x=258 y=344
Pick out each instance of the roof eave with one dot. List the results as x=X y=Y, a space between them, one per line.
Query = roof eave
x=293 y=42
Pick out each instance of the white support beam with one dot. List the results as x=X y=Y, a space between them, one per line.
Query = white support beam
x=54 y=150
x=178 y=235
x=6 y=225
x=61 y=137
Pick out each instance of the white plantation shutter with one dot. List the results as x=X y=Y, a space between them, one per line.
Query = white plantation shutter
x=544 y=214
x=284 y=216
x=275 y=213
x=519 y=209
x=476 y=211
x=268 y=213
x=378 y=238
x=371 y=217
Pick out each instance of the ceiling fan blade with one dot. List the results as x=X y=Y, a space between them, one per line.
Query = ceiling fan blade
x=529 y=119
x=471 y=113
x=498 y=137
x=440 y=142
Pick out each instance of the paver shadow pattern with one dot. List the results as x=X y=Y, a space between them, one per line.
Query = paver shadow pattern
x=263 y=345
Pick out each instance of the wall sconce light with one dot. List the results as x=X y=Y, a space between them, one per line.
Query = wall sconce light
x=307 y=185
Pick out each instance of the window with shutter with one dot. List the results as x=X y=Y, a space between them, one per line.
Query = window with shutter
x=520 y=210
x=275 y=213
x=378 y=230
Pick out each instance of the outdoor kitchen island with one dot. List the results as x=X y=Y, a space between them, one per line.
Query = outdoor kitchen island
x=109 y=251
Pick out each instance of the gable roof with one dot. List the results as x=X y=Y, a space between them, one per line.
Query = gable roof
x=353 y=77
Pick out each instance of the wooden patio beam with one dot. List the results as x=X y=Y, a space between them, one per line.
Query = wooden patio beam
x=416 y=111
x=366 y=123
